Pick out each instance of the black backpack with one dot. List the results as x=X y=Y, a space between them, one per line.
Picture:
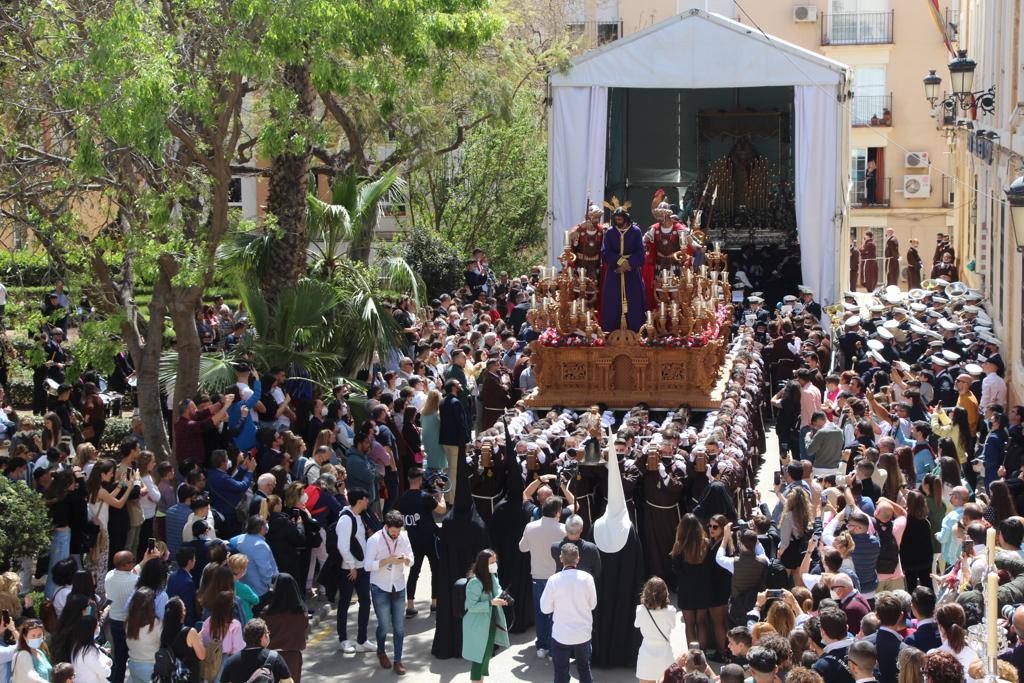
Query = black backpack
x=889 y=551
x=169 y=669
x=459 y=598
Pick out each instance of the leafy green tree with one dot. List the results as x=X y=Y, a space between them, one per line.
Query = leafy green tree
x=493 y=193
x=433 y=258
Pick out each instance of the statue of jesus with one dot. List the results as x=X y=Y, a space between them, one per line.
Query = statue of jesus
x=623 y=254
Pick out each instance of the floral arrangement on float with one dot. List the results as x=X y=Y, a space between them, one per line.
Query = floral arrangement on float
x=552 y=337
x=711 y=332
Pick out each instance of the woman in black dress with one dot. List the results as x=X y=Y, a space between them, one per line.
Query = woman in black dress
x=690 y=554
x=787 y=419
x=721 y=586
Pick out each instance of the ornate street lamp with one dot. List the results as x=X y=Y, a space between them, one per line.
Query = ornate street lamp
x=1015 y=197
x=931 y=86
x=961 y=76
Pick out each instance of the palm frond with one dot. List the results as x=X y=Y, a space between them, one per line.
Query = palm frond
x=248 y=253
x=256 y=305
x=328 y=227
x=216 y=371
x=398 y=276
x=389 y=187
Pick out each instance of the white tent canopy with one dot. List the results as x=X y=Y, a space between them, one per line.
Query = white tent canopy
x=698 y=50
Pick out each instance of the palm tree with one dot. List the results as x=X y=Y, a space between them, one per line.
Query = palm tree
x=349 y=220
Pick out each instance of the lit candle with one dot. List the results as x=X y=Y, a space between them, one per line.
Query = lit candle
x=661 y=309
x=990 y=542
x=675 y=309
x=991 y=613
x=718 y=246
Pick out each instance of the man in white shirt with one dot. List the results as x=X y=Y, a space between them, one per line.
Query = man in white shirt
x=570 y=598
x=993 y=387
x=120 y=584
x=388 y=553
x=537 y=539
x=352 y=546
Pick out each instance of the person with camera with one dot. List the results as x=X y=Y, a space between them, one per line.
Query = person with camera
x=483 y=625
x=388 y=553
x=537 y=539
x=749 y=569
x=419 y=506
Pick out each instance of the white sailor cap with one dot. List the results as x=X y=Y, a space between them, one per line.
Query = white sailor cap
x=852 y=321
x=939 y=360
x=950 y=355
x=875 y=345
x=884 y=332
x=974 y=369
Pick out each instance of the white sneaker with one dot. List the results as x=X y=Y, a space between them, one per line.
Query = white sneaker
x=365 y=647
x=347 y=647
x=542 y=653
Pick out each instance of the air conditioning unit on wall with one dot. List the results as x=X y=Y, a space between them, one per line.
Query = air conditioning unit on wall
x=917 y=186
x=805 y=13
x=916 y=160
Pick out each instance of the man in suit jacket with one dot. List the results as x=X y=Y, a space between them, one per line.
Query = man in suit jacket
x=887 y=640
x=863 y=657
x=517 y=316
x=832 y=666
x=590 y=556
x=922 y=604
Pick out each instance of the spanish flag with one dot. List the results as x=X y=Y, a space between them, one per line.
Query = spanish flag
x=940 y=22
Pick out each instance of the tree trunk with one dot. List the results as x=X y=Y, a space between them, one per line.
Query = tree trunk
x=146 y=357
x=183 y=318
x=286 y=200
x=360 y=248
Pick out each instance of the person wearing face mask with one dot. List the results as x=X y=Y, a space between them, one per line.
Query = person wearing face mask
x=483 y=625
x=388 y=553
x=30 y=664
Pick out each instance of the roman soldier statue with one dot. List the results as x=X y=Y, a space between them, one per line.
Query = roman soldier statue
x=585 y=240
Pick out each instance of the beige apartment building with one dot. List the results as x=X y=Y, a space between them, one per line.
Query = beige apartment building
x=889 y=45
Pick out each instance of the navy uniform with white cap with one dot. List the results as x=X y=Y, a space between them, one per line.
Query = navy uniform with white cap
x=850 y=339
x=810 y=305
x=757 y=308
x=945 y=392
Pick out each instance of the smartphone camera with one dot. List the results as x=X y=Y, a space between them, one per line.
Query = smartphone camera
x=150 y=545
x=774 y=593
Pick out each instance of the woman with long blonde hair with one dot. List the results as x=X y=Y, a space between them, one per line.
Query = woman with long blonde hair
x=693 y=564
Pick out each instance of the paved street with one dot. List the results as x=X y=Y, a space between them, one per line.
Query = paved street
x=325 y=662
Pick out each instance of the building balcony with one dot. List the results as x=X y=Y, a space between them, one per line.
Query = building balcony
x=591 y=34
x=951 y=27
x=857 y=28
x=865 y=195
x=872 y=110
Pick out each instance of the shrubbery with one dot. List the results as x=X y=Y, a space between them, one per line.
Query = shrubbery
x=24 y=524
x=432 y=258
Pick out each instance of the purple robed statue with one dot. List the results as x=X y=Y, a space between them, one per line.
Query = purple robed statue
x=623 y=250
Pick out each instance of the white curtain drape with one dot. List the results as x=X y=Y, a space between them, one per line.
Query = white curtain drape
x=817 y=150
x=577 y=134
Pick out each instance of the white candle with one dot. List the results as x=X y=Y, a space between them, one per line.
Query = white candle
x=533 y=301
x=991 y=613
x=650 y=319
x=990 y=543
x=581 y=273
x=664 y=276
x=661 y=309
x=588 y=318
x=704 y=270
x=675 y=309
x=566 y=237
x=718 y=246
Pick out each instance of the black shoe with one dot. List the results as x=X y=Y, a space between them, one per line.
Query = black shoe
x=410 y=612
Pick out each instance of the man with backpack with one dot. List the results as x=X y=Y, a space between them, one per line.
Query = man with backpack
x=255 y=662
x=311 y=468
x=351 y=533
x=229 y=492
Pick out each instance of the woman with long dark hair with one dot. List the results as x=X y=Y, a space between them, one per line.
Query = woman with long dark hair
x=60 y=502
x=787 y=419
x=690 y=553
x=30 y=663
x=153 y=575
x=931 y=489
x=76 y=607
x=905 y=461
x=1000 y=503
x=950 y=474
x=483 y=625
x=94 y=414
x=52 y=431
x=91 y=664
x=953 y=631
x=285 y=614
x=721 y=583
x=182 y=639
x=221 y=630
x=894 y=480
x=142 y=631
x=103 y=494
x=916 y=545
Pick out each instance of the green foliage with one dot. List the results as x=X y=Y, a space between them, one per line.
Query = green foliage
x=24 y=524
x=434 y=259
x=95 y=348
x=24 y=267
x=494 y=194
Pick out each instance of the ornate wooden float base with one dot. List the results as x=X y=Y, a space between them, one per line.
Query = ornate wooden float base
x=623 y=373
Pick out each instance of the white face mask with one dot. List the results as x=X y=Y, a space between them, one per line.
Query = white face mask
x=493 y=567
x=303 y=499
x=323 y=412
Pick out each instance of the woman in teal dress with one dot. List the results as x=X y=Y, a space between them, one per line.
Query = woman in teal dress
x=483 y=625
x=430 y=424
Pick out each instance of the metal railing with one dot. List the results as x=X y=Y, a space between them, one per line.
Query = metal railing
x=872 y=110
x=590 y=34
x=948 y=192
x=857 y=28
x=877 y=195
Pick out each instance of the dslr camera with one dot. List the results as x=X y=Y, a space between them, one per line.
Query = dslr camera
x=507 y=598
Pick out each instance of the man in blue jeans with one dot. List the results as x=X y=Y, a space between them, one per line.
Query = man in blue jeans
x=570 y=598
x=537 y=539
x=388 y=553
x=120 y=584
